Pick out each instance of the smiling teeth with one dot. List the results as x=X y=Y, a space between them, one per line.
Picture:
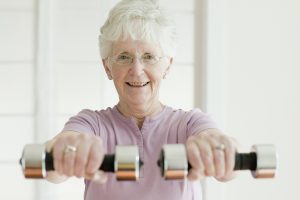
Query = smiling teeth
x=137 y=84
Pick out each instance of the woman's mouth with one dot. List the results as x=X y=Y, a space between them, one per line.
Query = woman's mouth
x=137 y=84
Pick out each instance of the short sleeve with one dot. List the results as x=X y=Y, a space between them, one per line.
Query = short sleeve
x=198 y=122
x=85 y=121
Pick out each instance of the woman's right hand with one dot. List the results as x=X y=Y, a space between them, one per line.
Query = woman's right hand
x=82 y=162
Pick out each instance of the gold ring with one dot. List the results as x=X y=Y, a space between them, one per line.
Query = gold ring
x=220 y=147
x=70 y=148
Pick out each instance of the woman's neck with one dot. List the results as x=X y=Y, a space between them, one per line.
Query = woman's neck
x=139 y=112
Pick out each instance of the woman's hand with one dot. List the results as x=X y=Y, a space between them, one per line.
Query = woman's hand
x=76 y=154
x=211 y=153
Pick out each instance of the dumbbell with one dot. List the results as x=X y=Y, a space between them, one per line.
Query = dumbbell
x=262 y=161
x=125 y=163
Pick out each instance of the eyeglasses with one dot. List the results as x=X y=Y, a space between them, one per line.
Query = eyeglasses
x=126 y=59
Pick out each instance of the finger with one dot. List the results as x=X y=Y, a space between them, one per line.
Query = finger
x=96 y=156
x=81 y=159
x=230 y=152
x=194 y=156
x=207 y=157
x=219 y=160
x=218 y=156
x=57 y=152
x=68 y=163
x=72 y=140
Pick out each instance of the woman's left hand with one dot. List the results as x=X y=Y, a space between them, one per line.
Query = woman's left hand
x=211 y=153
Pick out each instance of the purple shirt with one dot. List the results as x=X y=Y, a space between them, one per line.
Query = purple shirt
x=168 y=127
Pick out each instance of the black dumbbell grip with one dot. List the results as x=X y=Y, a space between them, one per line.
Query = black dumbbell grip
x=108 y=164
x=243 y=161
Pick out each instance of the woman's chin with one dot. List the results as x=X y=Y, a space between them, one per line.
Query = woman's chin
x=138 y=101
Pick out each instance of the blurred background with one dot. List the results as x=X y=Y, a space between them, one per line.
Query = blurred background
x=238 y=60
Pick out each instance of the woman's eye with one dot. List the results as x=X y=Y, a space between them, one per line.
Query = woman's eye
x=148 y=57
x=123 y=57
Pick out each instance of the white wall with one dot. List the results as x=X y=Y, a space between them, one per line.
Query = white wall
x=254 y=71
x=263 y=90
x=16 y=94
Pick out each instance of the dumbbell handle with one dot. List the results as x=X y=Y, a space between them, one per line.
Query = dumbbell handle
x=243 y=161
x=108 y=164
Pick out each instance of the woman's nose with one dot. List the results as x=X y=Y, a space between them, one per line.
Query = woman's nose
x=137 y=67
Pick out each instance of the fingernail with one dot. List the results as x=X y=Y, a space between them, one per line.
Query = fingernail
x=96 y=176
x=99 y=177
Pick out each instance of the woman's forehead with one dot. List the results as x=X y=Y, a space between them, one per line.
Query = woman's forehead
x=135 y=46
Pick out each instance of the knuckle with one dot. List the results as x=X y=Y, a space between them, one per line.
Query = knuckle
x=208 y=161
x=192 y=138
x=79 y=171
x=218 y=155
x=81 y=161
x=206 y=153
x=84 y=137
x=231 y=146
x=68 y=172
x=191 y=148
x=99 y=140
x=94 y=157
x=70 y=139
x=208 y=172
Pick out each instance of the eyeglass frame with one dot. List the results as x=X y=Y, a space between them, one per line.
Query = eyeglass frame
x=140 y=58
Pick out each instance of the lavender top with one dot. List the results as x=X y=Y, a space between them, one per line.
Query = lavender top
x=168 y=127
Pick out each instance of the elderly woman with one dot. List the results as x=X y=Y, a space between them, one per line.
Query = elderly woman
x=137 y=47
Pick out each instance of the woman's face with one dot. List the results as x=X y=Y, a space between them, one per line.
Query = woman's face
x=137 y=68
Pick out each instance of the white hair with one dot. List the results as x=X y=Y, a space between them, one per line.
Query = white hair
x=138 y=20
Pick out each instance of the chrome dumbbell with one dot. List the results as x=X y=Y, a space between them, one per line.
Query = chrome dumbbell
x=35 y=162
x=262 y=161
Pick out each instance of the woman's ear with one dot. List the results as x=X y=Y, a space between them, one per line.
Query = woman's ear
x=107 y=68
x=170 y=62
